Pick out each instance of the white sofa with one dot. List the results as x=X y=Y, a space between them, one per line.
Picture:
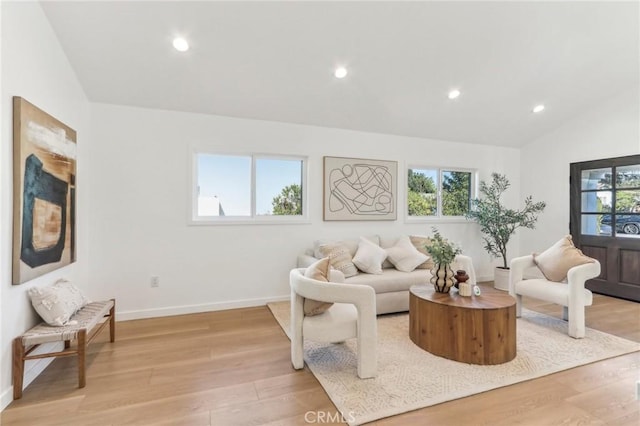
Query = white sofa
x=392 y=286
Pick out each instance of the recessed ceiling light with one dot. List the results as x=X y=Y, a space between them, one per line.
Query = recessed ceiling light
x=454 y=94
x=180 y=44
x=341 y=72
x=538 y=108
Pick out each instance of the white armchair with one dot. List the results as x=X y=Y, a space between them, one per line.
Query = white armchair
x=353 y=314
x=572 y=295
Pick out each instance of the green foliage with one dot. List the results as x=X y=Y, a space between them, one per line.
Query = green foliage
x=420 y=183
x=289 y=201
x=626 y=201
x=422 y=198
x=421 y=204
x=497 y=222
x=441 y=250
x=455 y=195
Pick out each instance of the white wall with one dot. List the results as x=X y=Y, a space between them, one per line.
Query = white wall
x=139 y=190
x=610 y=130
x=35 y=68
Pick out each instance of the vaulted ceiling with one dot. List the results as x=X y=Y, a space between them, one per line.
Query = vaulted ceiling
x=275 y=61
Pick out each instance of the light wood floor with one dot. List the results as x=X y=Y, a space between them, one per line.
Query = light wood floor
x=233 y=368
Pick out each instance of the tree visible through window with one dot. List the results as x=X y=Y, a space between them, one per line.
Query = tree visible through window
x=246 y=187
x=427 y=197
x=456 y=193
x=422 y=196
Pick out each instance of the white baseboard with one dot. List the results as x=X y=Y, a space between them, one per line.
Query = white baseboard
x=32 y=369
x=483 y=279
x=194 y=309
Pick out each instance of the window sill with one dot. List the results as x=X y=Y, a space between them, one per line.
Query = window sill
x=248 y=221
x=452 y=219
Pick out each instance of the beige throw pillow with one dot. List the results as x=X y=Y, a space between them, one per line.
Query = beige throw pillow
x=556 y=261
x=339 y=258
x=318 y=271
x=419 y=243
x=369 y=257
x=404 y=255
x=57 y=303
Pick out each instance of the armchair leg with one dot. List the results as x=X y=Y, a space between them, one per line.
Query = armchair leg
x=565 y=313
x=297 y=354
x=518 y=305
x=367 y=361
x=367 y=349
x=576 y=322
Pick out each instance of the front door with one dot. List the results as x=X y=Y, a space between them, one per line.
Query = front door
x=605 y=222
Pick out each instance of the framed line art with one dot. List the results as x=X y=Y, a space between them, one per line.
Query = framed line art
x=359 y=189
x=44 y=173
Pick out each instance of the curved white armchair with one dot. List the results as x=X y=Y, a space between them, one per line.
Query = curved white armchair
x=353 y=314
x=572 y=295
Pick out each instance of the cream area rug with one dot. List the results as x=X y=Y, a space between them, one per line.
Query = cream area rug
x=410 y=378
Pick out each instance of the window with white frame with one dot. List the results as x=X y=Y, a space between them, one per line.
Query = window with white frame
x=248 y=188
x=439 y=192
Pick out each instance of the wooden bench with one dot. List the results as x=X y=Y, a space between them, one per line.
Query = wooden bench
x=89 y=320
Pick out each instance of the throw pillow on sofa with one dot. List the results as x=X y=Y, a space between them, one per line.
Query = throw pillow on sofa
x=318 y=271
x=369 y=257
x=419 y=243
x=339 y=258
x=404 y=256
x=57 y=303
x=556 y=261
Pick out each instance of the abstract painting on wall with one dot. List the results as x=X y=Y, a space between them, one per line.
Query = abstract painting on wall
x=357 y=189
x=44 y=173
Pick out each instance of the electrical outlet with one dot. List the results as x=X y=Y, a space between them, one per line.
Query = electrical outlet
x=155 y=281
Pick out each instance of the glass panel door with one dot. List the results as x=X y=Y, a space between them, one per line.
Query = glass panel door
x=604 y=220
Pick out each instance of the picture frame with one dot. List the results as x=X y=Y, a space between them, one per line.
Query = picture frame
x=359 y=189
x=44 y=192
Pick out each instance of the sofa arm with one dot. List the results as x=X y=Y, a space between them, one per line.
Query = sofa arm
x=304 y=260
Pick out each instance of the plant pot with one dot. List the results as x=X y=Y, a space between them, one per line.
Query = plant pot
x=501 y=278
x=442 y=278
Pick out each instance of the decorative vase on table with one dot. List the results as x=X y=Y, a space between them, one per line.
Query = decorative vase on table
x=442 y=277
x=461 y=276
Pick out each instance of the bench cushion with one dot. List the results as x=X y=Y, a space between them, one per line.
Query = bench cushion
x=87 y=318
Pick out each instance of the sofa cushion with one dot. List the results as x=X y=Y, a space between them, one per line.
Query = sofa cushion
x=404 y=255
x=57 y=303
x=556 y=261
x=391 y=280
x=318 y=271
x=369 y=257
x=419 y=242
x=339 y=258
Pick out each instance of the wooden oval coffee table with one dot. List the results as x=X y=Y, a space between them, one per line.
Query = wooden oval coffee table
x=476 y=330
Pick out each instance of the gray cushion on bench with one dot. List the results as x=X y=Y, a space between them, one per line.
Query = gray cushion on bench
x=87 y=318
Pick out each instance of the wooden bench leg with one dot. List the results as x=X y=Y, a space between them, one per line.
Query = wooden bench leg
x=112 y=322
x=18 y=367
x=82 y=350
x=67 y=344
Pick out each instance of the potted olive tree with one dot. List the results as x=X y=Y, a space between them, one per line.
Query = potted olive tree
x=499 y=223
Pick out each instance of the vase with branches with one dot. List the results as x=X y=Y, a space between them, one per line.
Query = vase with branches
x=442 y=253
